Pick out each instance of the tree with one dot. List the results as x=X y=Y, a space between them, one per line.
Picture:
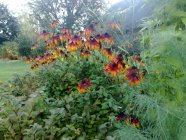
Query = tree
x=27 y=35
x=71 y=13
x=8 y=25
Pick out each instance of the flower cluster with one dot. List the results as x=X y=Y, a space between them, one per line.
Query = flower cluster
x=47 y=58
x=83 y=85
x=133 y=76
x=129 y=119
x=116 y=66
x=84 y=42
x=60 y=44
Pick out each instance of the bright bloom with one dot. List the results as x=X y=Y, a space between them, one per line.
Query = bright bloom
x=137 y=58
x=44 y=35
x=133 y=76
x=28 y=60
x=83 y=85
x=135 y=122
x=116 y=66
x=54 y=39
x=66 y=37
x=76 y=40
x=92 y=44
x=129 y=119
x=108 y=39
x=99 y=38
x=107 y=52
x=112 y=69
x=88 y=31
x=71 y=46
x=120 y=61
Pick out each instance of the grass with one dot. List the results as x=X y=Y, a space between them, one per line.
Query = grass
x=9 y=68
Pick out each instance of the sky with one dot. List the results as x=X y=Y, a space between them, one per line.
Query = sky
x=17 y=6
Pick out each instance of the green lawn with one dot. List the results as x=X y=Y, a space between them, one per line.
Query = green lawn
x=9 y=68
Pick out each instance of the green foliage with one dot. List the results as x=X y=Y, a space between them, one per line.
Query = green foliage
x=8 y=25
x=9 y=50
x=71 y=14
x=23 y=85
x=27 y=34
x=24 y=45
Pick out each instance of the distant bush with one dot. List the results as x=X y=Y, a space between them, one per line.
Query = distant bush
x=24 y=45
x=9 y=50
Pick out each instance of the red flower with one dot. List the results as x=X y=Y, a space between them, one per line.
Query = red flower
x=99 y=38
x=83 y=84
x=120 y=61
x=133 y=76
x=112 y=69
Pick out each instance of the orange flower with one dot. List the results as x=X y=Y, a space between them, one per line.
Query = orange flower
x=92 y=44
x=28 y=60
x=80 y=33
x=129 y=119
x=133 y=76
x=88 y=31
x=83 y=85
x=44 y=35
x=137 y=58
x=71 y=46
x=66 y=37
x=107 y=38
x=107 y=52
x=76 y=40
x=119 y=60
x=99 y=38
x=112 y=69
x=54 y=39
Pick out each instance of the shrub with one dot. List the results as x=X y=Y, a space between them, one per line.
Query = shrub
x=9 y=50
